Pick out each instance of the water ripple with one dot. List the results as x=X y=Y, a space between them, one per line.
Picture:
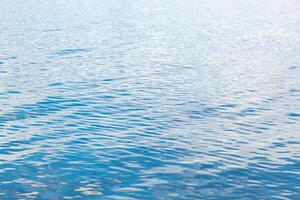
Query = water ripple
x=149 y=100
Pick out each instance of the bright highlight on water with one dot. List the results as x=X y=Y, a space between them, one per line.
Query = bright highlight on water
x=160 y=99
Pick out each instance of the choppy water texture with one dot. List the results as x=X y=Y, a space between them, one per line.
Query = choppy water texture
x=184 y=99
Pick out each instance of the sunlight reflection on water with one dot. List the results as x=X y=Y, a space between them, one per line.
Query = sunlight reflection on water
x=149 y=99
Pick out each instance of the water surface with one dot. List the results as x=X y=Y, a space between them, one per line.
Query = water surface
x=184 y=99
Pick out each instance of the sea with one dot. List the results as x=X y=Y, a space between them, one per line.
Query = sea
x=150 y=99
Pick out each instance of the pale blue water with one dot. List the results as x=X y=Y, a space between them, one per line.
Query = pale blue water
x=184 y=99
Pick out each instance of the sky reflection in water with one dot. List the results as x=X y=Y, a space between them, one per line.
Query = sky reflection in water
x=149 y=99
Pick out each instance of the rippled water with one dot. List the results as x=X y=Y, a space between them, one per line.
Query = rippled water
x=184 y=99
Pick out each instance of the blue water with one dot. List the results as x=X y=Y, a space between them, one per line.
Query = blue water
x=160 y=99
